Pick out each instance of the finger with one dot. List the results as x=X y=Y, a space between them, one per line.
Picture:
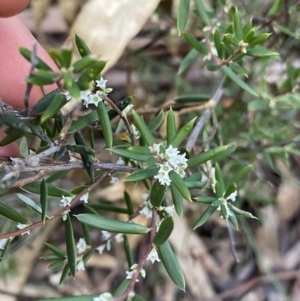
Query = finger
x=11 y=150
x=13 y=67
x=10 y=8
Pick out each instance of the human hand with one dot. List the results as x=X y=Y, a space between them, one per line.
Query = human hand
x=13 y=67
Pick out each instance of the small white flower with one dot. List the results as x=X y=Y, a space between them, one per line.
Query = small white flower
x=127 y=109
x=135 y=131
x=101 y=83
x=169 y=209
x=114 y=180
x=80 y=265
x=104 y=297
x=106 y=236
x=92 y=99
x=85 y=198
x=155 y=148
x=101 y=248
x=153 y=256
x=119 y=237
x=145 y=196
x=22 y=226
x=130 y=274
x=163 y=179
x=3 y=243
x=171 y=152
x=120 y=161
x=147 y=210
x=81 y=245
x=68 y=95
x=64 y=215
x=213 y=179
x=66 y=201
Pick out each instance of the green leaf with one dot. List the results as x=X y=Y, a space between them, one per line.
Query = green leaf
x=56 y=265
x=111 y=225
x=129 y=203
x=219 y=178
x=237 y=24
x=156 y=122
x=187 y=61
x=232 y=218
x=38 y=131
x=171 y=126
x=12 y=214
x=180 y=185
x=13 y=136
x=157 y=194
x=81 y=149
x=71 y=85
x=29 y=202
x=205 y=216
x=182 y=14
x=64 y=275
x=238 y=69
x=241 y=174
x=56 y=175
x=231 y=189
x=83 y=63
x=27 y=55
x=58 y=101
x=202 y=12
x=44 y=102
x=225 y=211
x=247 y=28
x=206 y=199
x=23 y=147
x=199 y=46
x=229 y=149
x=249 y=36
x=40 y=80
x=34 y=187
x=105 y=124
x=165 y=230
x=82 y=47
x=183 y=133
x=241 y=212
x=70 y=244
x=44 y=199
x=143 y=129
x=83 y=122
x=132 y=155
x=260 y=51
x=171 y=264
x=177 y=200
x=142 y=174
x=121 y=288
x=58 y=252
x=218 y=44
x=14 y=122
x=66 y=56
x=228 y=72
x=192 y=98
x=259 y=39
x=128 y=252
x=208 y=155
x=276 y=8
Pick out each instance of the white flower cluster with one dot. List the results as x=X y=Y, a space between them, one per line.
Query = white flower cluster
x=67 y=200
x=92 y=98
x=106 y=236
x=147 y=209
x=172 y=160
x=132 y=270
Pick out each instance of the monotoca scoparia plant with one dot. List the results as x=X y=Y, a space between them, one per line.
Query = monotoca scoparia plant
x=172 y=167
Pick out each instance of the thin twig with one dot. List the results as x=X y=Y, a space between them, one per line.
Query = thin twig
x=137 y=271
x=59 y=212
x=34 y=62
x=232 y=242
x=201 y=121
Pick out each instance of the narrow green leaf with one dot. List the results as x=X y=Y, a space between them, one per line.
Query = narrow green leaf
x=131 y=155
x=143 y=129
x=56 y=265
x=180 y=185
x=38 y=131
x=171 y=126
x=23 y=147
x=202 y=12
x=208 y=155
x=237 y=24
x=205 y=216
x=241 y=212
x=83 y=122
x=111 y=225
x=44 y=199
x=105 y=124
x=232 y=218
x=66 y=56
x=232 y=188
x=241 y=174
x=192 y=98
x=129 y=203
x=228 y=72
x=14 y=122
x=122 y=287
x=225 y=211
x=81 y=149
x=142 y=174
x=206 y=199
x=260 y=51
x=177 y=200
x=44 y=102
x=276 y=8
x=187 y=61
x=171 y=264
x=183 y=133
x=83 y=63
x=56 y=250
x=247 y=28
x=229 y=149
x=238 y=69
x=249 y=36
x=13 y=136
x=218 y=44
x=82 y=47
x=156 y=122
x=29 y=202
x=128 y=251
x=27 y=55
x=157 y=194
x=165 y=230
x=199 y=46
x=34 y=187
x=58 y=101
x=70 y=244
x=259 y=39
x=12 y=214
x=182 y=14
x=64 y=275
x=40 y=80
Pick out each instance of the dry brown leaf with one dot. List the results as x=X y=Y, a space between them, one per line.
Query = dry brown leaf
x=107 y=27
